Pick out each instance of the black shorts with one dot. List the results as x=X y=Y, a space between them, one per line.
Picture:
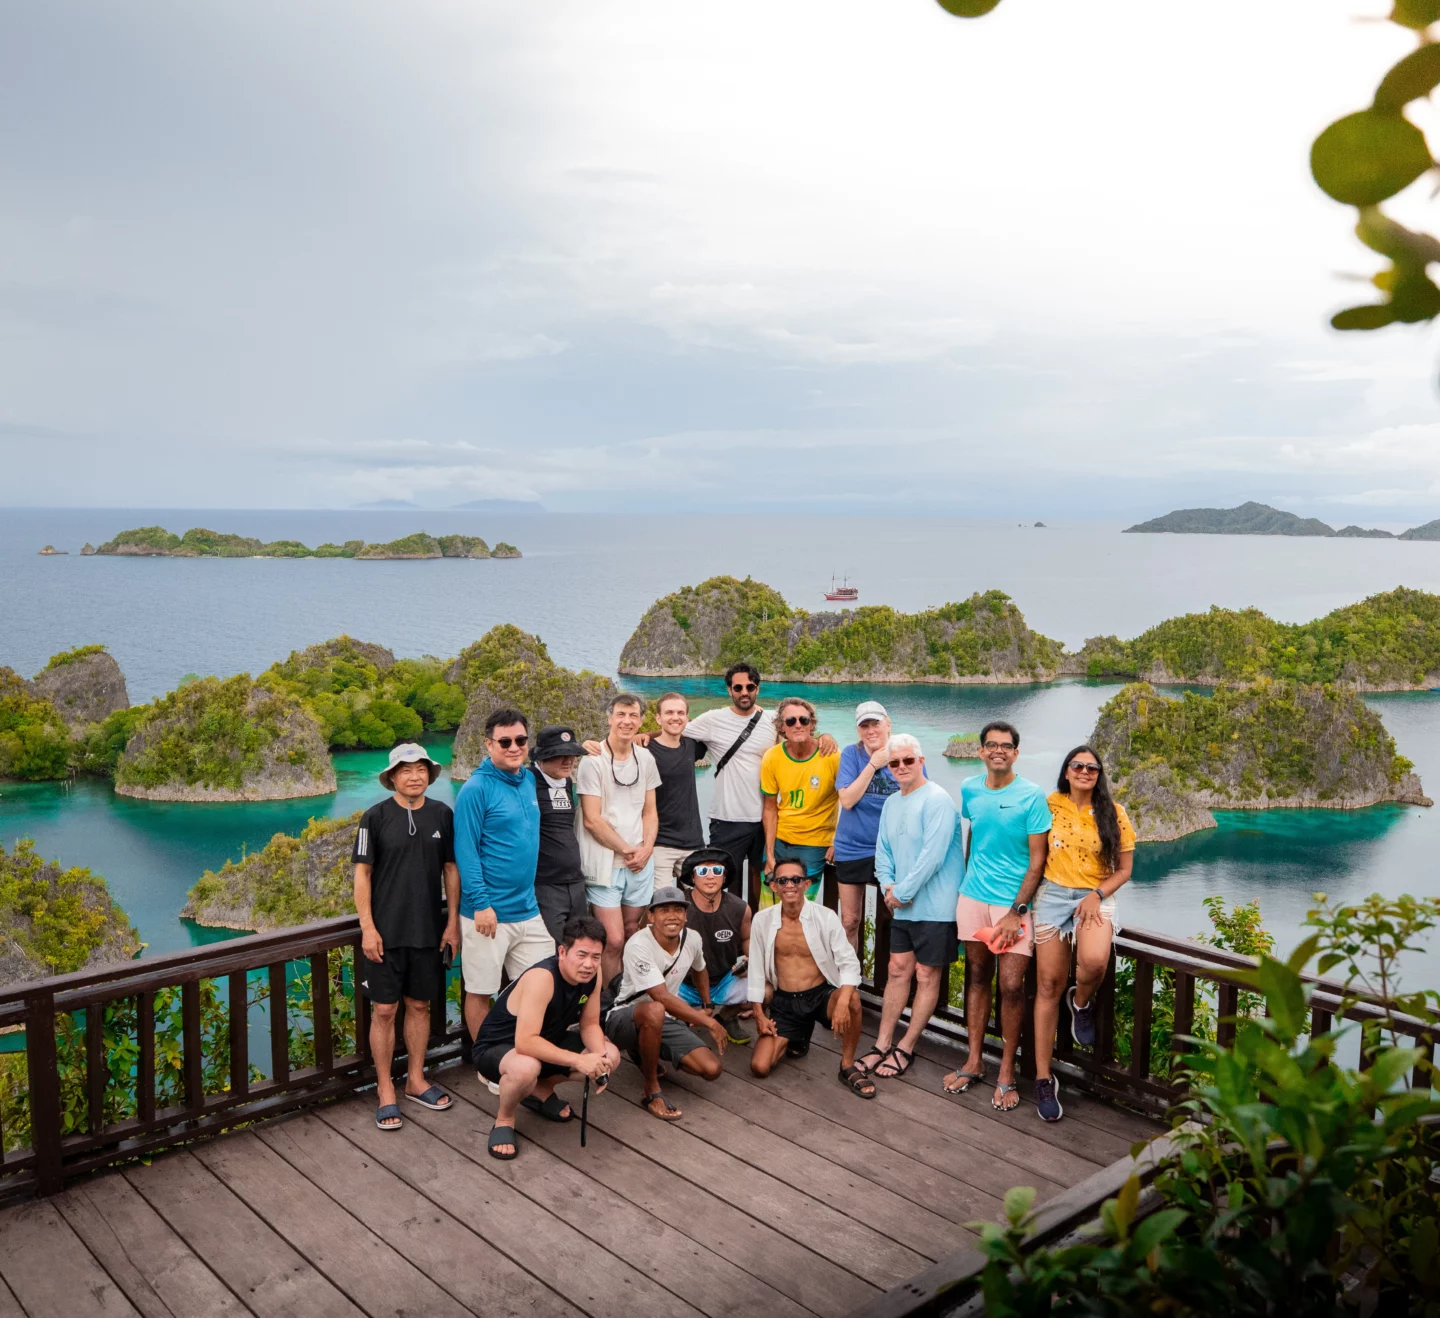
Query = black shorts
x=855 y=871
x=744 y=841
x=411 y=972
x=559 y=903
x=797 y=1014
x=934 y=942
x=487 y=1062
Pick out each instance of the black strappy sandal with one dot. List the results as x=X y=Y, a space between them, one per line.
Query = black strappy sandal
x=668 y=1114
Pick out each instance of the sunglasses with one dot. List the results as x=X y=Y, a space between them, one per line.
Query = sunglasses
x=801 y=720
x=999 y=745
x=791 y=880
x=906 y=760
x=1083 y=766
x=506 y=742
x=744 y=686
x=708 y=871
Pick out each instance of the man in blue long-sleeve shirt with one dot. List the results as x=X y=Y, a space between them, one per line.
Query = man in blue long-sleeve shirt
x=497 y=843
x=919 y=863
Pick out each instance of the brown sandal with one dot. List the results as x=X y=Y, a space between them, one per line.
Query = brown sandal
x=854 y=1079
x=666 y=1113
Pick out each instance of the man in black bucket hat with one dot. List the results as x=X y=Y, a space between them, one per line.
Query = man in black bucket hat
x=404 y=854
x=559 y=878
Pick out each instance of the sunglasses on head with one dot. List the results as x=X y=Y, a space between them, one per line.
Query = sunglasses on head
x=708 y=871
x=906 y=760
x=999 y=745
x=801 y=720
x=506 y=742
x=743 y=686
x=1083 y=766
x=790 y=880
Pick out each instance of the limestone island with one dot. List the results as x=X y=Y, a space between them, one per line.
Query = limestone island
x=226 y=739
x=199 y=542
x=53 y=726
x=1248 y=519
x=963 y=746
x=51 y=552
x=292 y=881
x=54 y=921
x=1271 y=744
x=702 y=629
x=84 y=684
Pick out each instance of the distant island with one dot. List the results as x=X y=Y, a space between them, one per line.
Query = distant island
x=1248 y=519
x=199 y=542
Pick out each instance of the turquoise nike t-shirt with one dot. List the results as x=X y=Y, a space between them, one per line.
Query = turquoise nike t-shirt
x=1001 y=824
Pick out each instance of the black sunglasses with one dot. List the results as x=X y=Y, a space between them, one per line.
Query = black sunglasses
x=1083 y=766
x=789 y=880
x=744 y=686
x=506 y=742
x=705 y=871
x=906 y=760
x=802 y=719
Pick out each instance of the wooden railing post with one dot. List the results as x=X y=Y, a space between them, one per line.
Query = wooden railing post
x=883 y=920
x=42 y=1064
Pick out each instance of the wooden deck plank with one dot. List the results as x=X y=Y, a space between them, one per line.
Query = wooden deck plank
x=851 y=1245
x=9 y=1305
x=356 y=1260
x=450 y=1253
x=759 y=1248
x=158 y=1271
x=967 y=1149
x=599 y=1282
x=49 y=1270
x=271 y=1279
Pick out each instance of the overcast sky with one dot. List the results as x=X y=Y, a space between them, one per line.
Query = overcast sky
x=855 y=253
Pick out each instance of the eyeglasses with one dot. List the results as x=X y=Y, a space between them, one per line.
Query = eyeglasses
x=1083 y=766
x=743 y=686
x=708 y=871
x=506 y=742
x=906 y=760
x=790 y=880
x=803 y=720
x=999 y=745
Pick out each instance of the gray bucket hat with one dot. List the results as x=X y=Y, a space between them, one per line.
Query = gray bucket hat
x=408 y=752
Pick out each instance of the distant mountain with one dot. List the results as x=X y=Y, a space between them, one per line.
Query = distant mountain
x=1248 y=519
x=1369 y=533
x=382 y=504
x=1430 y=531
x=516 y=507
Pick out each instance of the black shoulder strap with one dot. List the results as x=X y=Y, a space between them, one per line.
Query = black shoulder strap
x=664 y=974
x=739 y=741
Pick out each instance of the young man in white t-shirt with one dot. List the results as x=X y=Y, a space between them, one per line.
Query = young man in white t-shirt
x=619 y=823
x=649 y=1019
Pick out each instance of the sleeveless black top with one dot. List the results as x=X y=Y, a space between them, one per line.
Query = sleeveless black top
x=562 y=1011
x=719 y=931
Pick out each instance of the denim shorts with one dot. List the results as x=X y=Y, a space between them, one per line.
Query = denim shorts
x=626 y=887
x=1055 y=907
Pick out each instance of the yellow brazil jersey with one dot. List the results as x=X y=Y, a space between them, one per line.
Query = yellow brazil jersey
x=1074 y=859
x=805 y=792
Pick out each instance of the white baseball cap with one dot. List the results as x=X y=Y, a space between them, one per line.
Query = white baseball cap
x=868 y=709
x=407 y=753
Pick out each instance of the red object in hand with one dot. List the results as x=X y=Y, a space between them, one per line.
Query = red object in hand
x=991 y=939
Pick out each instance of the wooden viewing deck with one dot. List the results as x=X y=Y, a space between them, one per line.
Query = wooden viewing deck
x=788 y=1196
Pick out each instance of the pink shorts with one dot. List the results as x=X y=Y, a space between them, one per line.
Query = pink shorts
x=971 y=915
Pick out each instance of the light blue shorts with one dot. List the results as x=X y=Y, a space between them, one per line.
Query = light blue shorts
x=1055 y=908
x=626 y=887
x=729 y=992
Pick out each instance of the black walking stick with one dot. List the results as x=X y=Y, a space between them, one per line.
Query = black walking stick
x=584 y=1110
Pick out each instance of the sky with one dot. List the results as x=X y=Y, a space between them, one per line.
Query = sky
x=848 y=255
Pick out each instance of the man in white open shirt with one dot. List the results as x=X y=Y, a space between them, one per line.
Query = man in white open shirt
x=649 y=1019
x=799 y=949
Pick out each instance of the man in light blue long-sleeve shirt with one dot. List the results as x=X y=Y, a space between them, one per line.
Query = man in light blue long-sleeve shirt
x=497 y=843
x=919 y=863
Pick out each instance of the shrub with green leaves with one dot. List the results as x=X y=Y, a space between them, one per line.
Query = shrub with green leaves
x=74 y=656
x=34 y=738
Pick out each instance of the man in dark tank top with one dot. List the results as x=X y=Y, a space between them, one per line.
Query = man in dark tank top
x=722 y=920
x=526 y=1043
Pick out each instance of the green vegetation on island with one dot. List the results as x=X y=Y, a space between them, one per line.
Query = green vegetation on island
x=84 y=684
x=199 y=542
x=1248 y=519
x=292 y=881
x=702 y=629
x=963 y=746
x=34 y=739
x=1271 y=743
x=226 y=739
x=54 y=921
x=509 y=667
x=1389 y=642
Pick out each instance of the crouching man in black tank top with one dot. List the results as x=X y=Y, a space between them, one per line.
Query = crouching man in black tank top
x=526 y=1044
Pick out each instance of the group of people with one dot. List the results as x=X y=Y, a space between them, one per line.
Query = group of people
x=578 y=874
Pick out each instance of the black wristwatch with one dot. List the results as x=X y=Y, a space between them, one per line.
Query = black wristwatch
x=1019 y=908
x=707 y=1006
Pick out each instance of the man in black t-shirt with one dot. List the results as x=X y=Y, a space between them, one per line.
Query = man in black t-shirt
x=676 y=800
x=404 y=852
x=559 y=878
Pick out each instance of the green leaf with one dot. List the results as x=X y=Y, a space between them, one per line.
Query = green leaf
x=1360 y=318
x=1417 y=14
x=1299 y=958
x=1125 y=1205
x=1017 y=1203
x=1368 y=156
x=1154 y=1229
x=1284 y=996
x=1415 y=76
x=967 y=8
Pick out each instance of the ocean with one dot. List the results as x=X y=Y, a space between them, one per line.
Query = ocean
x=583 y=584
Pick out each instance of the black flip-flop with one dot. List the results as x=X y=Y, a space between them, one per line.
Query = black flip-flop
x=971 y=1079
x=551 y=1109
x=502 y=1135
x=389 y=1112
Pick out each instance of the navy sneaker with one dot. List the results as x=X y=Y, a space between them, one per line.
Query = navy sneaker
x=1082 y=1020
x=1047 y=1099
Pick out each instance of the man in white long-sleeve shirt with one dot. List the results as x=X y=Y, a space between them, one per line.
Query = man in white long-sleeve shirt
x=798 y=949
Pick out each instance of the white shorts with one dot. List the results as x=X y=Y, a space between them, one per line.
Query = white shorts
x=514 y=949
x=667 y=864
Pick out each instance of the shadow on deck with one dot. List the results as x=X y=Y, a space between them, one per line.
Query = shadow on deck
x=787 y=1196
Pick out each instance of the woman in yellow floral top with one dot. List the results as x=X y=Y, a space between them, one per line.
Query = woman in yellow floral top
x=1092 y=849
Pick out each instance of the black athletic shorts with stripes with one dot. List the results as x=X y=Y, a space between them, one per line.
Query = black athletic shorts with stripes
x=797 y=1014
